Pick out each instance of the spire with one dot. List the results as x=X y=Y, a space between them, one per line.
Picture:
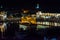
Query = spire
x=37 y=6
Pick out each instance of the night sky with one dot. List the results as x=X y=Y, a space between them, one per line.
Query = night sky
x=45 y=5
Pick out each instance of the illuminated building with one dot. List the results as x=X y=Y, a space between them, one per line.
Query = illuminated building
x=28 y=19
x=3 y=15
x=48 y=19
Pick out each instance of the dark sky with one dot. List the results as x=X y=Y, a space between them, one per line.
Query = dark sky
x=45 y=5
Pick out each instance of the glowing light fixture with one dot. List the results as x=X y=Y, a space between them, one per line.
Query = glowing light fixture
x=25 y=11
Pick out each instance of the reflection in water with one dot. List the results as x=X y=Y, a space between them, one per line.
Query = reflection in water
x=53 y=39
x=41 y=26
x=50 y=39
x=23 y=27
